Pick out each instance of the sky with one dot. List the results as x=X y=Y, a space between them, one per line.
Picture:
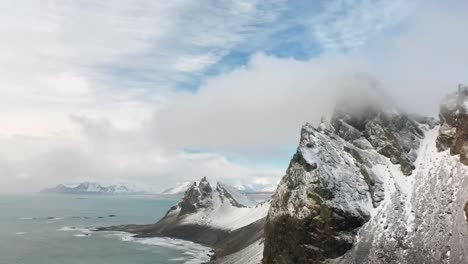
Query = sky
x=161 y=92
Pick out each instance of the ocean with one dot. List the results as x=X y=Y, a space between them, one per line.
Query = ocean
x=55 y=229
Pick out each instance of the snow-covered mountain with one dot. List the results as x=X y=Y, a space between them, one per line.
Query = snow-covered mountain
x=376 y=186
x=222 y=207
x=220 y=217
x=99 y=188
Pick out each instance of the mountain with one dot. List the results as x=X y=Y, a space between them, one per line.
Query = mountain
x=375 y=186
x=220 y=217
x=179 y=189
x=97 y=188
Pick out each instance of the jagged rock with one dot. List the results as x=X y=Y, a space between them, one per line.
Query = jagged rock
x=453 y=133
x=392 y=134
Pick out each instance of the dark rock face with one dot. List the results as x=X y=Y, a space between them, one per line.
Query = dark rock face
x=466 y=211
x=453 y=133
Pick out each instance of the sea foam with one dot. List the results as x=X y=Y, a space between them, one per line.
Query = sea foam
x=193 y=252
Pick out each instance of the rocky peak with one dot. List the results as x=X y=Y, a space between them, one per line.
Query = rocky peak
x=453 y=133
x=202 y=195
x=205 y=188
x=195 y=197
x=382 y=127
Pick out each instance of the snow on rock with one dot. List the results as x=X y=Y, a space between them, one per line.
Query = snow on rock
x=327 y=182
x=180 y=188
x=422 y=221
x=224 y=215
x=235 y=196
x=223 y=207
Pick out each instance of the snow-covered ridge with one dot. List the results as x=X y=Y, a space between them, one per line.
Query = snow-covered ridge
x=180 y=188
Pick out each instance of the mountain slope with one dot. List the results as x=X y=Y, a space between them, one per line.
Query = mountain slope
x=180 y=188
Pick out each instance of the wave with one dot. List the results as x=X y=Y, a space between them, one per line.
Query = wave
x=27 y=218
x=192 y=252
x=50 y=218
x=76 y=229
x=81 y=235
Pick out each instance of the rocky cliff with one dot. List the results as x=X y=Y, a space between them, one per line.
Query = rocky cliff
x=373 y=188
x=453 y=133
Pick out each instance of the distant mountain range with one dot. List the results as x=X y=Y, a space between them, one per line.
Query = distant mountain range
x=127 y=189
x=97 y=188
x=255 y=188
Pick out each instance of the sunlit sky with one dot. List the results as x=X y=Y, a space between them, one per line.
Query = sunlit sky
x=161 y=92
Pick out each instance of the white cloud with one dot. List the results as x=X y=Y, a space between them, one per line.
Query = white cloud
x=261 y=105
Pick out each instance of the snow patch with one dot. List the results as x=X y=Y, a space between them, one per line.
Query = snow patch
x=222 y=214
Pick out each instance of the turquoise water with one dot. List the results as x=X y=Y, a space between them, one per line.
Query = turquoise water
x=54 y=229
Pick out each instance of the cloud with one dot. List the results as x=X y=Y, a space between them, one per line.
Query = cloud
x=428 y=60
x=266 y=102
